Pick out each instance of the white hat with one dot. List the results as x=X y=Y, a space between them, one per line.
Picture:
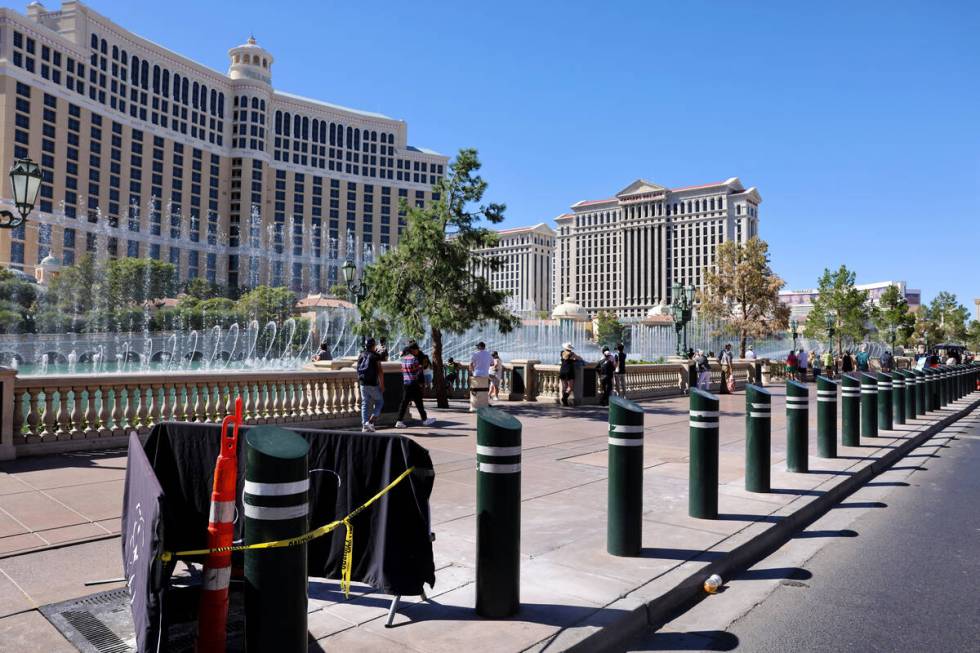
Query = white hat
x=568 y=346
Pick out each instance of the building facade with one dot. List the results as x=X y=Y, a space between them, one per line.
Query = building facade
x=624 y=253
x=146 y=153
x=800 y=302
x=526 y=256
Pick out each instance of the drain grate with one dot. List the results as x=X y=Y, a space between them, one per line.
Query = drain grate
x=95 y=632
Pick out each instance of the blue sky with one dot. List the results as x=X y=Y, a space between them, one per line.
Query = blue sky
x=859 y=122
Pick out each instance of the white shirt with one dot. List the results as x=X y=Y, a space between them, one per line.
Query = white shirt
x=480 y=361
x=749 y=355
x=802 y=359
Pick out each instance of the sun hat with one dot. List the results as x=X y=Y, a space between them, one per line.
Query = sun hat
x=568 y=346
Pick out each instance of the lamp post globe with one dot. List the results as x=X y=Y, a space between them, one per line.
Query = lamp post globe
x=349 y=269
x=25 y=182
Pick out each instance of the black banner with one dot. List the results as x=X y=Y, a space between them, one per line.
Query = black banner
x=142 y=541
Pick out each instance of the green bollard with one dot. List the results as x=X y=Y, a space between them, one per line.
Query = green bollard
x=797 y=427
x=885 y=401
x=921 y=393
x=702 y=499
x=826 y=417
x=898 y=397
x=498 y=513
x=869 y=406
x=942 y=386
x=909 y=395
x=624 y=518
x=934 y=401
x=758 y=439
x=276 y=507
x=850 y=395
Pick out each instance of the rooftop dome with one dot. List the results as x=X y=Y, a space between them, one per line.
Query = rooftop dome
x=569 y=310
x=658 y=310
x=250 y=61
x=50 y=262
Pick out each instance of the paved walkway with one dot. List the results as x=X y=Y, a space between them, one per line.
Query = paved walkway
x=566 y=576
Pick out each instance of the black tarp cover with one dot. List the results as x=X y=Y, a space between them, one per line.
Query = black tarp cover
x=392 y=543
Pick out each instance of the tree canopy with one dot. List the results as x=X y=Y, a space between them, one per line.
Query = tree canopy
x=428 y=281
x=891 y=312
x=943 y=320
x=848 y=307
x=608 y=329
x=742 y=292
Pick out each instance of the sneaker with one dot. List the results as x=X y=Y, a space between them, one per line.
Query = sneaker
x=400 y=425
x=429 y=422
x=368 y=427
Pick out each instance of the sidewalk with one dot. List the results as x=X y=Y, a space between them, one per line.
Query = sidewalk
x=570 y=587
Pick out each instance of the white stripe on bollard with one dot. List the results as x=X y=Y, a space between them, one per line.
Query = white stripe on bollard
x=484 y=450
x=491 y=468
x=276 y=489
x=273 y=513
x=705 y=425
x=626 y=428
x=626 y=442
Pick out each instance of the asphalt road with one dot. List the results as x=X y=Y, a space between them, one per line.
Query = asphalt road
x=909 y=582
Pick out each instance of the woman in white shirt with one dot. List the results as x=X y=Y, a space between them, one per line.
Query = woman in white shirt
x=496 y=373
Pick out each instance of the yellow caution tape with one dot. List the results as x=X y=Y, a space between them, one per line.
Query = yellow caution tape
x=345 y=572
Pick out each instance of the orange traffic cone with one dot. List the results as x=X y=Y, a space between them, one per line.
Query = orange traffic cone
x=213 y=612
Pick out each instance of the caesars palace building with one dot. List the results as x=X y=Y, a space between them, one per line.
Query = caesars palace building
x=624 y=253
x=145 y=153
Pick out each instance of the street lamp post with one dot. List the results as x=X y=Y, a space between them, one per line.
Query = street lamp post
x=356 y=287
x=25 y=179
x=830 y=321
x=682 y=306
x=892 y=332
x=794 y=325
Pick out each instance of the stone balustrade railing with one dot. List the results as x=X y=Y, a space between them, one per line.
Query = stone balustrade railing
x=78 y=412
x=57 y=413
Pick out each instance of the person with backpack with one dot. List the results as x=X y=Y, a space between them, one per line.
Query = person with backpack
x=863 y=359
x=412 y=380
x=481 y=361
x=887 y=362
x=607 y=368
x=828 y=364
x=846 y=362
x=372 y=381
x=619 y=379
x=727 y=359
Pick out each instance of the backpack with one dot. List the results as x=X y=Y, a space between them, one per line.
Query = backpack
x=367 y=373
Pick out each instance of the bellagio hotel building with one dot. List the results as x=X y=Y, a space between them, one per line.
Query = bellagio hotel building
x=148 y=154
x=623 y=254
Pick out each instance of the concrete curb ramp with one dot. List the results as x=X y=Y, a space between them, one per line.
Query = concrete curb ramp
x=678 y=590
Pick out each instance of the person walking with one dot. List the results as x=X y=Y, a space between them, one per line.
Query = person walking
x=566 y=373
x=749 y=353
x=887 y=362
x=607 y=369
x=727 y=358
x=496 y=375
x=846 y=362
x=619 y=379
x=704 y=370
x=452 y=373
x=372 y=381
x=792 y=365
x=802 y=364
x=480 y=363
x=828 y=364
x=815 y=364
x=863 y=359
x=412 y=380
x=426 y=364
x=382 y=350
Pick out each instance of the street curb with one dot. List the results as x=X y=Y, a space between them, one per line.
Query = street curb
x=688 y=592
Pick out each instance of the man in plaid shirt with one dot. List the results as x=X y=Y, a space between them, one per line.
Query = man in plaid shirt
x=412 y=381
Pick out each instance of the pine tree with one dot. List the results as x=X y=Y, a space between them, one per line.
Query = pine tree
x=428 y=280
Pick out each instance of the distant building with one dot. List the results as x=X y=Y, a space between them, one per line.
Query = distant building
x=800 y=302
x=526 y=255
x=146 y=153
x=624 y=253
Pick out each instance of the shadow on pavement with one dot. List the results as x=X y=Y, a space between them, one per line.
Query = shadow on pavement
x=846 y=532
x=806 y=493
x=862 y=504
x=697 y=640
x=772 y=519
x=776 y=573
x=681 y=554
x=886 y=483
